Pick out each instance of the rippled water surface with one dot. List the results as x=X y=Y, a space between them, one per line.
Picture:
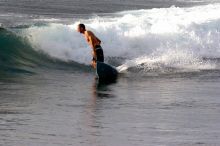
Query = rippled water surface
x=72 y=109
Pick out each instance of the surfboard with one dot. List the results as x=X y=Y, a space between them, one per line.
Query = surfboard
x=106 y=72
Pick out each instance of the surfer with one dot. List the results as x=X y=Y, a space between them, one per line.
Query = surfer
x=95 y=44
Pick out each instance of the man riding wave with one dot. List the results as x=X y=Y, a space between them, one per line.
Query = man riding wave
x=94 y=42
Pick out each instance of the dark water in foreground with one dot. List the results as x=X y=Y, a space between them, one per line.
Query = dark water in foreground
x=67 y=108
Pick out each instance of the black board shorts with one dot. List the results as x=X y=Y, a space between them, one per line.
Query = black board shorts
x=99 y=54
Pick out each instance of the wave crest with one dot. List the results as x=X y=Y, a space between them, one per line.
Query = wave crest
x=177 y=37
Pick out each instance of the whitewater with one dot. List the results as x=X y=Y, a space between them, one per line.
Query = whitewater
x=161 y=37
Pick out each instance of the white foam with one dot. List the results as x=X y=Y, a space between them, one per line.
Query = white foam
x=172 y=36
x=175 y=59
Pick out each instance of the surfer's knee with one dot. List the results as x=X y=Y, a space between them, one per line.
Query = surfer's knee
x=93 y=64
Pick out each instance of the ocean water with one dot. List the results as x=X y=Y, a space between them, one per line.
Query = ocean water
x=167 y=53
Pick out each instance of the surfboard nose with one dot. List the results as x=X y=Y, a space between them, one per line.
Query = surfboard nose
x=106 y=72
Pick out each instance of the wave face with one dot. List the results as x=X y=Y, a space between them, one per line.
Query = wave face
x=184 y=39
x=18 y=56
x=15 y=53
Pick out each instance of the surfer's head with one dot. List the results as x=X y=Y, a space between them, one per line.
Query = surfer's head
x=81 y=28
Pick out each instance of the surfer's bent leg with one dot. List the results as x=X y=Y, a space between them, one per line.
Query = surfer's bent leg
x=99 y=54
x=93 y=63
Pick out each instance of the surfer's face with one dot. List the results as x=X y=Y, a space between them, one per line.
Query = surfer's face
x=80 y=29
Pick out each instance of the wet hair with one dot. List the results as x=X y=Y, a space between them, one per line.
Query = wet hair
x=82 y=26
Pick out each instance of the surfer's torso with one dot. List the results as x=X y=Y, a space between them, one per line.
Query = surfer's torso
x=94 y=42
x=92 y=39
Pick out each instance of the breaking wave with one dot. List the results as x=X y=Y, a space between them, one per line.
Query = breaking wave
x=184 y=39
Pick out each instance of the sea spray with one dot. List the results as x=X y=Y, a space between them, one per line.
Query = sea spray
x=173 y=37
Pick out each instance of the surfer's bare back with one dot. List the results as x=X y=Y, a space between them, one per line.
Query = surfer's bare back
x=95 y=44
